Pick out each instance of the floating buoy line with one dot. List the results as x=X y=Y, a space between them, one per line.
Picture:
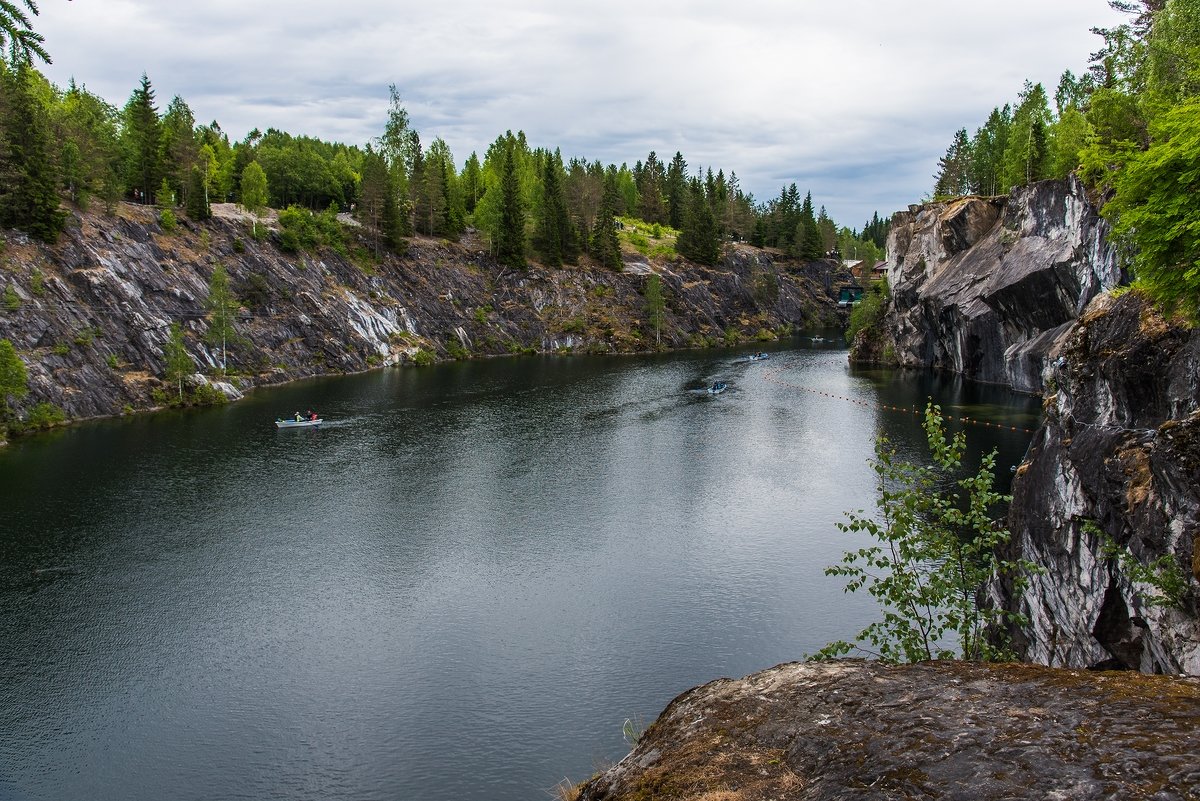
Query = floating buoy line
x=772 y=374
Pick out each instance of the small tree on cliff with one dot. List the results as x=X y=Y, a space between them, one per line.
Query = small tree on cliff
x=178 y=363
x=655 y=305
x=254 y=192
x=14 y=378
x=937 y=549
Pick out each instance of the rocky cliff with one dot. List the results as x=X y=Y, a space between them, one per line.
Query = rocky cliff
x=90 y=315
x=1108 y=499
x=983 y=286
x=938 y=730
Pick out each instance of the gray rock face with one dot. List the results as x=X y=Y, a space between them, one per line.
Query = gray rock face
x=983 y=286
x=95 y=310
x=937 y=730
x=1116 y=462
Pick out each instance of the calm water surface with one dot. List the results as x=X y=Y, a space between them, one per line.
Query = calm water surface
x=458 y=589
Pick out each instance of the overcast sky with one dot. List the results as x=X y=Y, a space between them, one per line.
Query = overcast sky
x=851 y=100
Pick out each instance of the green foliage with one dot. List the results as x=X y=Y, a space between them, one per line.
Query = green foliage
x=655 y=305
x=937 y=534
x=37 y=282
x=45 y=415
x=222 y=306
x=12 y=301
x=207 y=395
x=423 y=358
x=301 y=230
x=1166 y=582
x=177 y=362
x=254 y=191
x=1155 y=214
x=166 y=218
x=510 y=239
x=112 y=361
x=28 y=178
x=699 y=238
x=14 y=378
x=455 y=349
x=868 y=313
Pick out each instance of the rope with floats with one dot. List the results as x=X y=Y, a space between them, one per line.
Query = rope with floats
x=771 y=375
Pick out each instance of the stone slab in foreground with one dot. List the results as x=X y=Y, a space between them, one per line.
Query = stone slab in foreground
x=944 y=730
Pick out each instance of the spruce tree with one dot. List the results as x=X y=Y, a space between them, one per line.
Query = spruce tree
x=698 y=240
x=140 y=141
x=676 y=189
x=510 y=240
x=28 y=181
x=808 y=238
x=606 y=246
x=554 y=238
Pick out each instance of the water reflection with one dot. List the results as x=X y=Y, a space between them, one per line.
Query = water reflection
x=459 y=588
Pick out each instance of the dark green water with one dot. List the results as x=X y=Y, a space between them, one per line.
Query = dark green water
x=458 y=589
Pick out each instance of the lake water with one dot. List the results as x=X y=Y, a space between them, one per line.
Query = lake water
x=458 y=588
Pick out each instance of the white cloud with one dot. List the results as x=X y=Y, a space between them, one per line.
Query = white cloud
x=854 y=100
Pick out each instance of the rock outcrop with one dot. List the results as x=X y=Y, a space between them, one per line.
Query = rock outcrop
x=90 y=315
x=937 y=730
x=1109 y=497
x=983 y=286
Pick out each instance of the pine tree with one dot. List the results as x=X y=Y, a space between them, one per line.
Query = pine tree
x=1026 y=157
x=510 y=243
x=953 y=168
x=987 y=153
x=28 y=181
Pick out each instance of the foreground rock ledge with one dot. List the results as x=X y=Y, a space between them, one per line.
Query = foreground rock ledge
x=855 y=729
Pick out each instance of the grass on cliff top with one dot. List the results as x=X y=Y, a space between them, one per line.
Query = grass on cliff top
x=652 y=240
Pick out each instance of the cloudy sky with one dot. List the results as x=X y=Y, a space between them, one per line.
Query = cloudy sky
x=851 y=100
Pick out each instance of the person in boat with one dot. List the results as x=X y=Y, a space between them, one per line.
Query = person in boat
x=298 y=417
x=312 y=415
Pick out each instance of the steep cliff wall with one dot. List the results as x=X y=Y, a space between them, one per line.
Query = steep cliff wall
x=937 y=730
x=983 y=286
x=92 y=313
x=1116 y=463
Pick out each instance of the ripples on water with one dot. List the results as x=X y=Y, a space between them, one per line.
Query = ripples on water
x=458 y=588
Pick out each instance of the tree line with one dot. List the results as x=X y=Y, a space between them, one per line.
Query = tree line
x=1129 y=128
x=71 y=145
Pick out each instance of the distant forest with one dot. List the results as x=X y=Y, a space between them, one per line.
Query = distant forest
x=1129 y=128
x=67 y=145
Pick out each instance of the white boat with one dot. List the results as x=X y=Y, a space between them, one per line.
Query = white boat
x=298 y=423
